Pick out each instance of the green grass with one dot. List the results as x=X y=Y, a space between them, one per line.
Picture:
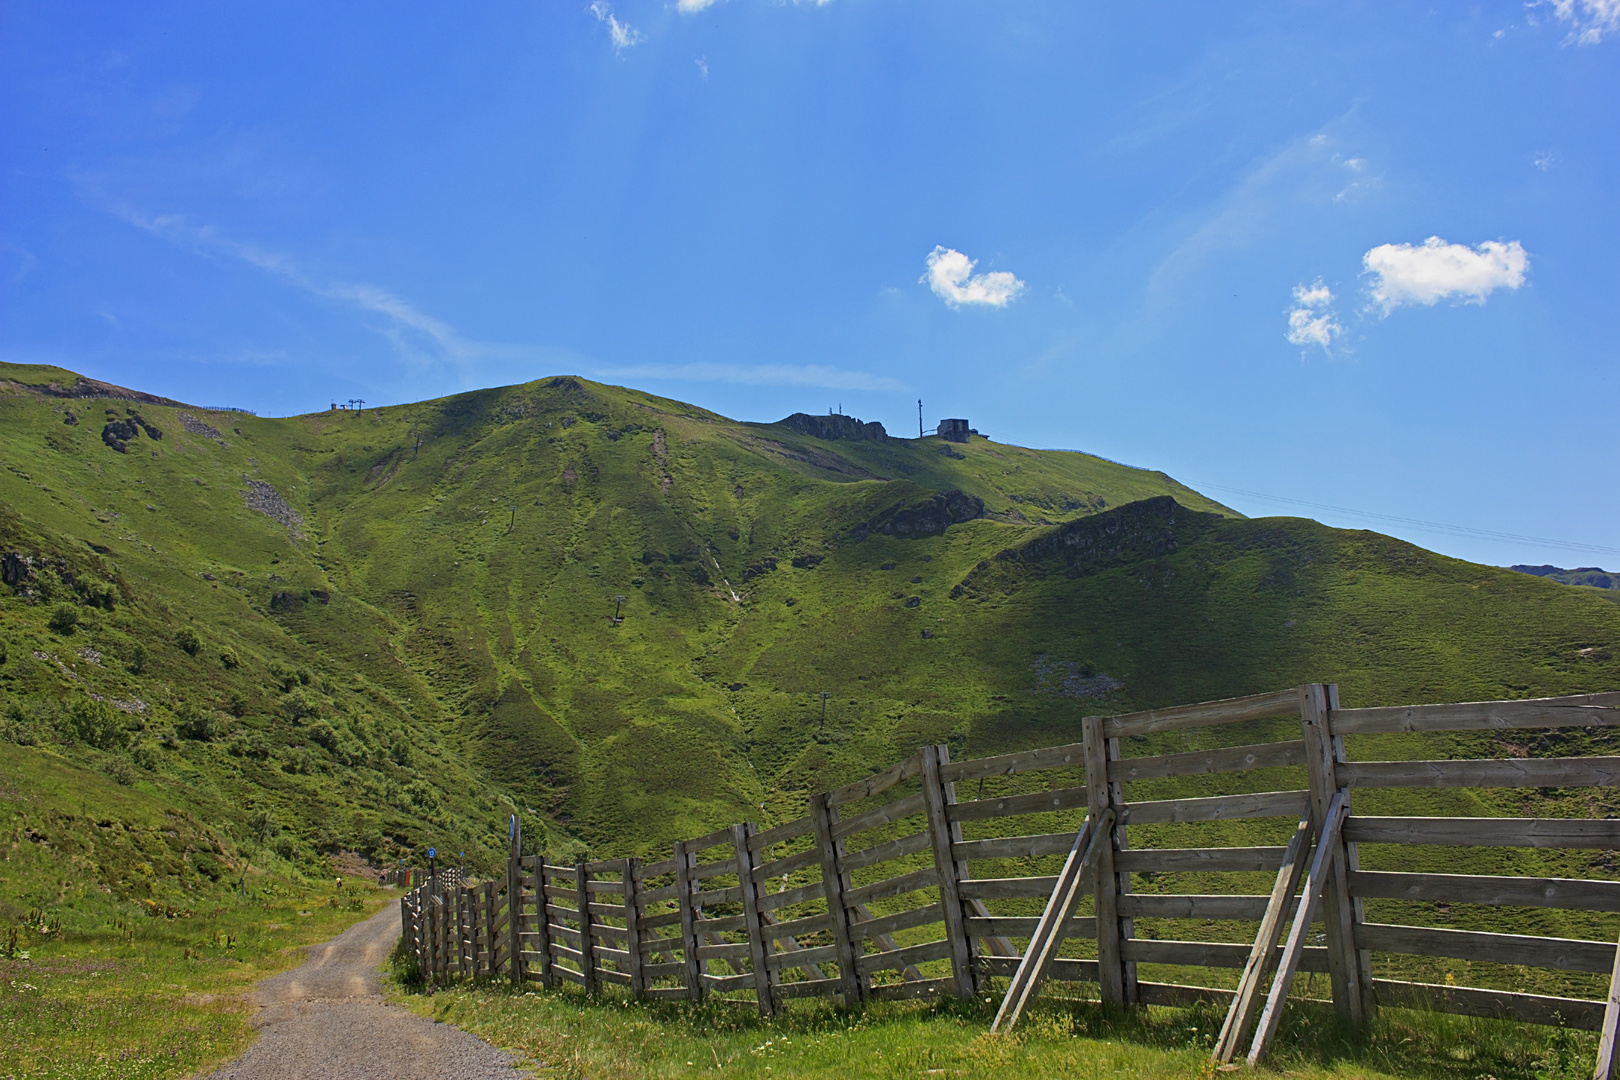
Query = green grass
x=125 y=948
x=562 y=1034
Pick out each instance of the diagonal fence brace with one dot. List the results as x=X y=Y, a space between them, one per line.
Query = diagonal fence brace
x=1081 y=862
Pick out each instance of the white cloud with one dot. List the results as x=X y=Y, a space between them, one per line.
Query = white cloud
x=818 y=375
x=1589 y=20
x=950 y=274
x=1545 y=161
x=702 y=63
x=692 y=7
x=1435 y=270
x=623 y=34
x=1311 y=320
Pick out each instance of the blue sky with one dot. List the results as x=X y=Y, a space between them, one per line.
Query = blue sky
x=1189 y=236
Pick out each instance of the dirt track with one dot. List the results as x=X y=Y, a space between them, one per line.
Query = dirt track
x=327 y=1020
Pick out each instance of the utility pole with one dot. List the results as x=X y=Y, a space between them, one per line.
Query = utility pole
x=919 y=418
x=513 y=522
x=823 y=725
x=618 y=602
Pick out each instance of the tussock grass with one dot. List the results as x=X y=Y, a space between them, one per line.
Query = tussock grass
x=565 y=1035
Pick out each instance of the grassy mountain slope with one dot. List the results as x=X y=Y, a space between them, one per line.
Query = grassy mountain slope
x=418 y=605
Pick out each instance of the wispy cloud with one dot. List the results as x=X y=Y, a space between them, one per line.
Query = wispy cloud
x=1545 y=161
x=418 y=337
x=692 y=7
x=1435 y=270
x=703 y=67
x=1311 y=320
x=622 y=34
x=1590 y=21
x=950 y=274
x=817 y=375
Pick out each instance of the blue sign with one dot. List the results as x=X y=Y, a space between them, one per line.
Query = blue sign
x=432 y=851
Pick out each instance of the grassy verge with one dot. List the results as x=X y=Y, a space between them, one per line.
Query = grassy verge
x=565 y=1035
x=125 y=948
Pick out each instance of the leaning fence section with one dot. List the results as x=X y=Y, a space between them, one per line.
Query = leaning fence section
x=930 y=877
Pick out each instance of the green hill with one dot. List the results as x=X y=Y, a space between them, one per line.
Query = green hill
x=385 y=629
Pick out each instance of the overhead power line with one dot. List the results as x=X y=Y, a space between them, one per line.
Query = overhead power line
x=1463 y=530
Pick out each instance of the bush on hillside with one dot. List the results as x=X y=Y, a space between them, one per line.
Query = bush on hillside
x=96 y=723
x=64 y=619
x=203 y=725
x=228 y=658
x=188 y=641
x=135 y=659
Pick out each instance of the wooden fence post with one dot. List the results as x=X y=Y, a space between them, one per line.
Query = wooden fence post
x=491 y=935
x=832 y=887
x=514 y=903
x=1110 y=965
x=758 y=948
x=942 y=832
x=685 y=886
x=587 y=951
x=1358 y=906
x=542 y=923
x=632 y=926
x=1118 y=841
x=1344 y=968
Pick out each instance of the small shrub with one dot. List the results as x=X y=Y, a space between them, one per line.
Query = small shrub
x=147 y=756
x=188 y=641
x=228 y=658
x=64 y=619
x=17 y=728
x=96 y=723
x=135 y=660
x=203 y=725
x=122 y=770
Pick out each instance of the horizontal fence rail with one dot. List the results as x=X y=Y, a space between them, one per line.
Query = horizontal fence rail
x=893 y=887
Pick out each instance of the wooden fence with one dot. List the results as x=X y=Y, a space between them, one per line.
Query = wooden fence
x=896 y=886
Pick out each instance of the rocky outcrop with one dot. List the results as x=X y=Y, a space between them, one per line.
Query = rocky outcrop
x=927 y=517
x=835 y=426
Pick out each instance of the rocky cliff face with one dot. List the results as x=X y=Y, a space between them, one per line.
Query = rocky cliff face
x=835 y=426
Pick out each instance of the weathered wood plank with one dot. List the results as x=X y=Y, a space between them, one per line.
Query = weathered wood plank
x=1014 y=847
x=705 y=871
x=790 y=897
x=1198 y=860
x=1011 y=926
x=911 y=954
x=753 y=921
x=782 y=867
x=1496 y=1004
x=723 y=952
x=1006 y=888
x=910 y=806
x=821 y=954
x=1202 y=762
x=1608 y=1055
x=898 y=773
x=632 y=927
x=799 y=927
x=1574 y=710
x=1061 y=969
x=925 y=878
x=1215 y=954
x=723 y=983
x=901 y=920
x=685 y=886
x=1259 y=804
x=1203 y=714
x=1486 y=832
x=1505 y=772
x=1246 y=1000
x=1568 y=893
x=1038 y=802
x=781 y=833
x=1111 y=973
x=806 y=988
x=911 y=990
x=884 y=851
x=1194 y=906
x=833 y=885
x=1330 y=826
x=1070 y=756
x=1565 y=954
x=1338 y=910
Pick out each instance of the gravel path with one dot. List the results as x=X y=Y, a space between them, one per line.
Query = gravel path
x=327 y=1021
